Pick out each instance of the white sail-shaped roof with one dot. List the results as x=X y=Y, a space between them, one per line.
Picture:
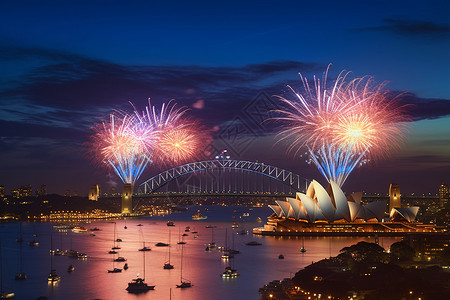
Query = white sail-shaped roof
x=310 y=206
x=323 y=200
x=288 y=212
x=342 y=211
x=277 y=210
x=409 y=213
x=332 y=204
x=377 y=208
x=299 y=210
x=355 y=209
x=355 y=197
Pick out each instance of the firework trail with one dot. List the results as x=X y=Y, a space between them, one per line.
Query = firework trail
x=128 y=142
x=343 y=126
x=123 y=142
x=179 y=138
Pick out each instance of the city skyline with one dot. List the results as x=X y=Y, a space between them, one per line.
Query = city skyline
x=62 y=73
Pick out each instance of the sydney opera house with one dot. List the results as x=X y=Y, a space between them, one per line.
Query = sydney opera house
x=329 y=211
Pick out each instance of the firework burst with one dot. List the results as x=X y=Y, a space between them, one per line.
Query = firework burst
x=179 y=138
x=342 y=126
x=128 y=142
x=123 y=144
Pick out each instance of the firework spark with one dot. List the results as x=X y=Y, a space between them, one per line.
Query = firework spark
x=123 y=144
x=179 y=138
x=343 y=125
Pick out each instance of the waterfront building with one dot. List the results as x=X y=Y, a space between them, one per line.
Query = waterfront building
x=94 y=192
x=127 y=202
x=430 y=247
x=394 y=196
x=443 y=195
x=328 y=211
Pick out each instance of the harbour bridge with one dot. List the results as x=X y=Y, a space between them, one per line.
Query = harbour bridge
x=224 y=176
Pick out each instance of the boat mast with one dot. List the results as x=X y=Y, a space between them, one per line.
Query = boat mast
x=144 y=264
x=114 y=237
x=181 y=262
x=226 y=238
x=1 y=269
x=232 y=240
x=51 y=253
x=20 y=259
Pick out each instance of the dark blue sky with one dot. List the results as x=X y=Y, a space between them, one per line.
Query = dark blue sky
x=66 y=64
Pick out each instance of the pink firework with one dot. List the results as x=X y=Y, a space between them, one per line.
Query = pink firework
x=182 y=143
x=312 y=114
x=178 y=138
x=122 y=144
x=341 y=125
x=372 y=121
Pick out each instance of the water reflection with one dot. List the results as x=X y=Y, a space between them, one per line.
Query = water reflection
x=90 y=279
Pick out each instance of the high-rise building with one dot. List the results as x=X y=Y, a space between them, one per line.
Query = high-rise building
x=43 y=191
x=444 y=194
x=94 y=192
x=127 y=202
x=2 y=191
x=23 y=191
x=394 y=196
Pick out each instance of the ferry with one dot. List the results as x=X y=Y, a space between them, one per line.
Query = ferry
x=199 y=216
x=170 y=223
x=79 y=229
x=230 y=273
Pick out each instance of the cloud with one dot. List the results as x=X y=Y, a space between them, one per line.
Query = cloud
x=199 y=104
x=425 y=108
x=66 y=90
x=409 y=27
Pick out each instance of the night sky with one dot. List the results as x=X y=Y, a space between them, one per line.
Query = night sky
x=66 y=64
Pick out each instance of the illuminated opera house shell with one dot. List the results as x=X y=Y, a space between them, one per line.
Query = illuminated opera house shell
x=319 y=204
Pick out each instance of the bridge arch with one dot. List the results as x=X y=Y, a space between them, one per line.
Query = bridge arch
x=288 y=178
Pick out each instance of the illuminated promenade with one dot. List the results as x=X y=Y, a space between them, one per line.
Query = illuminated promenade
x=283 y=227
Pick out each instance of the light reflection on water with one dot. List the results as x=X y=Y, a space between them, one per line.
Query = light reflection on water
x=257 y=265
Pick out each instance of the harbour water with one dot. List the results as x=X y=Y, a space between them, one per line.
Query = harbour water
x=257 y=265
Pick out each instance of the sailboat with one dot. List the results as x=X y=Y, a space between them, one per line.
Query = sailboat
x=114 y=269
x=3 y=294
x=53 y=277
x=115 y=246
x=167 y=265
x=139 y=285
x=302 y=249
x=232 y=250
x=21 y=275
x=20 y=238
x=226 y=251
x=144 y=248
x=181 y=242
x=211 y=245
x=186 y=283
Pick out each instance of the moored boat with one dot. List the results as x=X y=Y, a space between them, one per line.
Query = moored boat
x=230 y=273
x=115 y=270
x=79 y=229
x=198 y=216
x=253 y=243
